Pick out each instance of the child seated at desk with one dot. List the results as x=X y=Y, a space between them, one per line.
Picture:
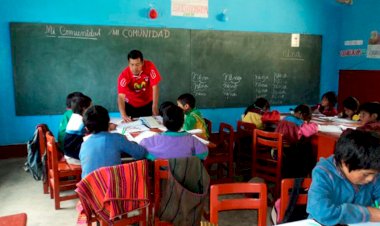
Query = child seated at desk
x=193 y=117
x=298 y=158
x=346 y=184
x=370 y=117
x=327 y=105
x=350 y=109
x=254 y=112
x=102 y=148
x=66 y=117
x=75 y=130
x=172 y=143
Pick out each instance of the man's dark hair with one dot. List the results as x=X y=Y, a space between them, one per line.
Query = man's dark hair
x=358 y=150
x=331 y=97
x=371 y=108
x=135 y=54
x=71 y=96
x=173 y=118
x=96 y=119
x=187 y=98
x=79 y=104
x=305 y=111
x=163 y=106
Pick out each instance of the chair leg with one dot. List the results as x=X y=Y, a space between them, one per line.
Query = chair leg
x=46 y=187
x=57 y=203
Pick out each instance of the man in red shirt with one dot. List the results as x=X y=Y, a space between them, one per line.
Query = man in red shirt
x=138 y=89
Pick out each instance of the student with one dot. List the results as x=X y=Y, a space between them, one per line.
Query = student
x=102 y=148
x=172 y=143
x=370 y=117
x=163 y=106
x=75 y=130
x=350 y=109
x=66 y=117
x=193 y=117
x=298 y=125
x=254 y=112
x=346 y=184
x=297 y=129
x=327 y=105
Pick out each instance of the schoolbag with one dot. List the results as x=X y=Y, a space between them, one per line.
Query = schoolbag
x=34 y=163
x=293 y=211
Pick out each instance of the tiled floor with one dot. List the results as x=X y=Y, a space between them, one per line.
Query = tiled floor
x=19 y=192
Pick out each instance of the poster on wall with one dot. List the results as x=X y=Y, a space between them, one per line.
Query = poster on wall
x=190 y=8
x=373 y=50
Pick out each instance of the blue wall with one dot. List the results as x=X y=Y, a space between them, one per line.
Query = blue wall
x=321 y=17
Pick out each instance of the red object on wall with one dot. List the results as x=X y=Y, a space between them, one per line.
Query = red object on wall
x=362 y=84
x=153 y=13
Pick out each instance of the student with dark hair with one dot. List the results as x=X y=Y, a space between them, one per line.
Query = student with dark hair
x=350 y=109
x=298 y=125
x=172 y=143
x=346 y=185
x=163 y=106
x=370 y=117
x=254 y=112
x=66 y=117
x=327 y=105
x=75 y=130
x=193 y=117
x=138 y=88
x=297 y=129
x=102 y=148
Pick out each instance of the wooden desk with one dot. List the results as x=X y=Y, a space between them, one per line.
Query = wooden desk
x=324 y=142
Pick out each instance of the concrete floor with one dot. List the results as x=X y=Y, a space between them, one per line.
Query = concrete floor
x=19 y=192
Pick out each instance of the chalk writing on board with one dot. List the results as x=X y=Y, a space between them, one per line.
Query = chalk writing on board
x=261 y=84
x=79 y=33
x=146 y=33
x=279 y=88
x=64 y=32
x=290 y=54
x=230 y=84
x=199 y=83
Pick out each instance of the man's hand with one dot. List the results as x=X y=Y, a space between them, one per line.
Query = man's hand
x=154 y=110
x=374 y=213
x=126 y=118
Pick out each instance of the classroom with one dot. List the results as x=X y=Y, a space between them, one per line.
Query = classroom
x=339 y=31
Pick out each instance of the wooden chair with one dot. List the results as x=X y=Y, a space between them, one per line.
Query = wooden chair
x=19 y=219
x=42 y=129
x=243 y=147
x=260 y=203
x=222 y=155
x=160 y=174
x=286 y=187
x=267 y=158
x=62 y=176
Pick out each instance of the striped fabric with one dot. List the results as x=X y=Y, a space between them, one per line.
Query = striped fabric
x=110 y=192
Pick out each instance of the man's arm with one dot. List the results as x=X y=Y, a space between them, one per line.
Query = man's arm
x=121 y=105
x=156 y=93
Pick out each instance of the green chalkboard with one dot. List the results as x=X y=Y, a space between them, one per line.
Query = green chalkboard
x=221 y=68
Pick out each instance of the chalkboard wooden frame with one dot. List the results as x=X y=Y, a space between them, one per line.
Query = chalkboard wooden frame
x=221 y=68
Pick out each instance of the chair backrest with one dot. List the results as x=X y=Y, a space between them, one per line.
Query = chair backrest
x=160 y=173
x=244 y=129
x=226 y=137
x=52 y=154
x=42 y=129
x=267 y=157
x=260 y=203
x=209 y=126
x=286 y=187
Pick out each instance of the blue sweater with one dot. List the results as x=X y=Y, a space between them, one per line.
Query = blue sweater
x=332 y=199
x=104 y=149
